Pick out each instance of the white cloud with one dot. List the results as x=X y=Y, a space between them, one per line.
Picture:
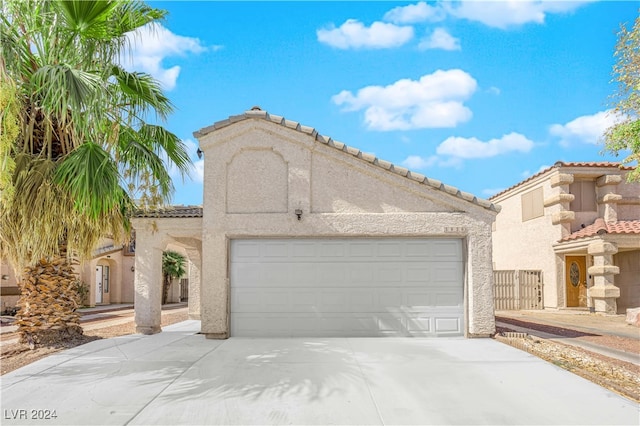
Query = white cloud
x=353 y=35
x=433 y=101
x=493 y=90
x=527 y=173
x=415 y=162
x=152 y=44
x=198 y=171
x=475 y=148
x=585 y=129
x=419 y=12
x=440 y=39
x=505 y=14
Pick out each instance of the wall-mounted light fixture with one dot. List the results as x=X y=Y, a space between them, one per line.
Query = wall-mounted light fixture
x=199 y=153
x=5 y=277
x=299 y=213
x=133 y=268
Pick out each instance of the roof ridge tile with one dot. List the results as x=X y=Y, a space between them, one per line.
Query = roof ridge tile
x=257 y=113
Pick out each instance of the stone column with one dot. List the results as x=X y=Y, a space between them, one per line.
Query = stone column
x=560 y=197
x=607 y=198
x=603 y=292
x=195 y=265
x=148 y=282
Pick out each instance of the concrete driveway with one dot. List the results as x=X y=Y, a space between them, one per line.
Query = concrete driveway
x=178 y=377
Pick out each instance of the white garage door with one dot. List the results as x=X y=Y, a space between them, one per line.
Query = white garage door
x=346 y=287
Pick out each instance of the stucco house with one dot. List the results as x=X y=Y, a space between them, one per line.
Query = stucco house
x=301 y=235
x=579 y=223
x=108 y=276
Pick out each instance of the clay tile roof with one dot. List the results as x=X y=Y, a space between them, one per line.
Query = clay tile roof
x=600 y=227
x=172 y=212
x=257 y=113
x=603 y=164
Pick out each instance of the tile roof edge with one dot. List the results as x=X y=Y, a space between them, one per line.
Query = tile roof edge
x=166 y=212
x=257 y=113
x=600 y=227
x=558 y=164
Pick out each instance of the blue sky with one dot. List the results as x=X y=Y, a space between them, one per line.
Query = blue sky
x=480 y=95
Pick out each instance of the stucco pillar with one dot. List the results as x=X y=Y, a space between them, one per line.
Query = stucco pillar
x=603 y=292
x=607 y=199
x=195 y=266
x=148 y=282
x=562 y=198
x=479 y=277
x=174 y=291
x=214 y=307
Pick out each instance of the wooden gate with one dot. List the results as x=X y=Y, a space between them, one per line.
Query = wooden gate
x=515 y=290
x=184 y=289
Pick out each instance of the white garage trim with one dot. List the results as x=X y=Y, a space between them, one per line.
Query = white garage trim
x=346 y=287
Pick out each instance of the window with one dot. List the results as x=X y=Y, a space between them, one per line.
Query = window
x=584 y=192
x=532 y=205
x=105 y=278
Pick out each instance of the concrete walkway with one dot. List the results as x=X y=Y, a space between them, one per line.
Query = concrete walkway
x=178 y=377
x=583 y=321
x=580 y=322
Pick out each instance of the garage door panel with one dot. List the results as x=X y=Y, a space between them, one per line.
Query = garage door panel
x=417 y=299
x=446 y=273
x=392 y=324
x=448 y=325
x=390 y=250
x=450 y=299
x=368 y=287
x=304 y=249
x=447 y=250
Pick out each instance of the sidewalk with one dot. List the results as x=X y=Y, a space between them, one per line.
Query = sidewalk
x=580 y=322
x=116 y=314
x=613 y=325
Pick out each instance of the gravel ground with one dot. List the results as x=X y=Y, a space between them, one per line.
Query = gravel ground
x=619 y=376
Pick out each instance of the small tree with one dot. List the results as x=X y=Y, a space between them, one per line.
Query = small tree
x=173 y=266
x=625 y=135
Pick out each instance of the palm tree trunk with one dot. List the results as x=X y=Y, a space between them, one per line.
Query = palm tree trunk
x=48 y=304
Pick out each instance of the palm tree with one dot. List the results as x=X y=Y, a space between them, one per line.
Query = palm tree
x=173 y=266
x=78 y=142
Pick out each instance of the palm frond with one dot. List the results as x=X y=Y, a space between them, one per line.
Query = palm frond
x=92 y=179
x=170 y=144
x=141 y=92
x=61 y=87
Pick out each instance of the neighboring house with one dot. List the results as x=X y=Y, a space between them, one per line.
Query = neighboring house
x=108 y=277
x=9 y=291
x=580 y=224
x=300 y=235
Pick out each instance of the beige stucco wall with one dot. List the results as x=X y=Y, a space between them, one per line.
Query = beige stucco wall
x=153 y=236
x=528 y=245
x=628 y=280
x=121 y=285
x=339 y=195
x=629 y=206
x=534 y=244
x=7 y=279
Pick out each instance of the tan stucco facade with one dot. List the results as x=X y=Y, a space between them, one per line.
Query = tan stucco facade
x=544 y=242
x=116 y=264
x=262 y=171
